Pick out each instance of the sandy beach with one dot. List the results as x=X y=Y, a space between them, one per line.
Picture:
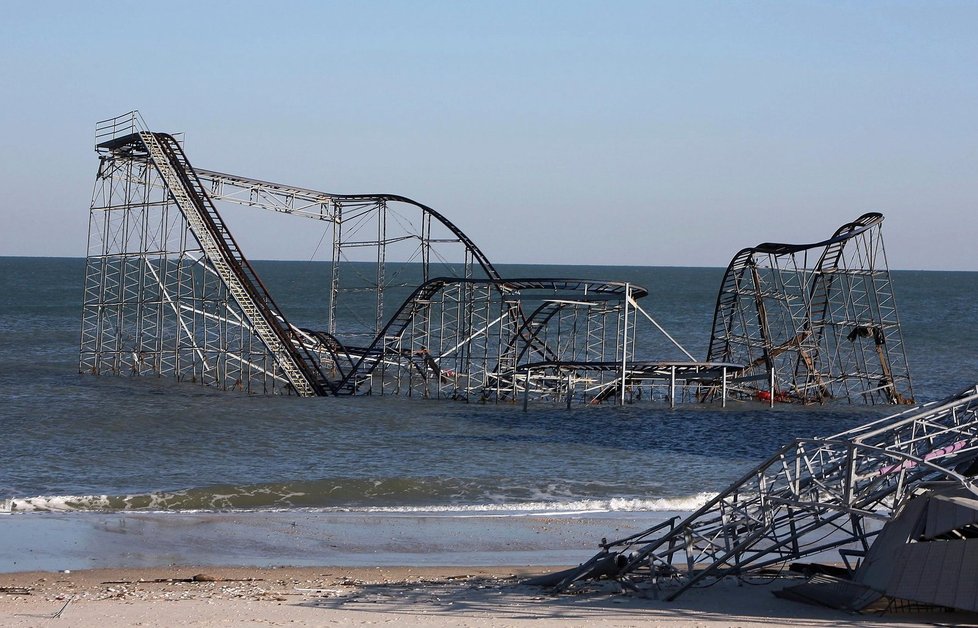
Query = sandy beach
x=314 y=569
x=429 y=596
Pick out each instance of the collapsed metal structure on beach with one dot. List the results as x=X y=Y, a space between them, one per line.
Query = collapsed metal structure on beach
x=896 y=498
x=413 y=307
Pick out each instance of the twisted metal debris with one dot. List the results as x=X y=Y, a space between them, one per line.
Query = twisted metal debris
x=812 y=496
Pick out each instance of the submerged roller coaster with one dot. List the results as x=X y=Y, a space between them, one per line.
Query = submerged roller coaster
x=820 y=319
x=413 y=307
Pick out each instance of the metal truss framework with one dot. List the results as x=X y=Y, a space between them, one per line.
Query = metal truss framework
x=414 y=307
x=814 y=322
x=169 y=292
x=812 y=496
x=562 y=340
x=376 y=230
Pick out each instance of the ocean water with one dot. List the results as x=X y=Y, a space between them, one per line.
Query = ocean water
x=79 y=442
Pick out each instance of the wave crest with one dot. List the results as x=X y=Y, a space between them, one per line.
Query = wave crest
x=192 y=501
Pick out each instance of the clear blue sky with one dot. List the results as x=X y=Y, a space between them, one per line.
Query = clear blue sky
x=639 y=133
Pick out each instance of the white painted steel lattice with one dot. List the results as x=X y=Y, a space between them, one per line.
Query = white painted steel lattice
x=812 y=496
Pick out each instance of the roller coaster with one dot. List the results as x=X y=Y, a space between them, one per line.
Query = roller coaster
x=414 y=308
x=829 y=329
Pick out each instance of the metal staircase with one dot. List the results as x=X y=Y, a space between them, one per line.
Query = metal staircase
x=227 y=260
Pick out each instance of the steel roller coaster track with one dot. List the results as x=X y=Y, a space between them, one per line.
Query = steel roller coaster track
x=415 y=308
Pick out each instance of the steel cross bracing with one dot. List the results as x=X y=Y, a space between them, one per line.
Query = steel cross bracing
x=413 y=307
x=473 y=329
x=363 y=222
x=219 y=247
x=167 y=290
x=812 y=496
x=819 y=320
x=151 y=305
x=461 y=338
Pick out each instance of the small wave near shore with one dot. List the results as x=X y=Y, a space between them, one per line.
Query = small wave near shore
x=191 y=502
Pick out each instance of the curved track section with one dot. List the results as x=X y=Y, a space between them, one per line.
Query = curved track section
x=818 y=319
x=383 y=245
x=467 y=338
x=319 y=205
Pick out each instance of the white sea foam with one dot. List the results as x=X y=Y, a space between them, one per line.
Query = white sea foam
x=582 y=506
x=82 y=503
x=55 y=503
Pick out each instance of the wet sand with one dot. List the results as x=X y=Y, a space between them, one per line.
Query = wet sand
x=52 y=541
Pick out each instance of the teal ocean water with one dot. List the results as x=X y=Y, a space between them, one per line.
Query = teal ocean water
x=80 y=442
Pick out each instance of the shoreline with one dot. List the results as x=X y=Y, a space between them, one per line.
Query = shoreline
x=54 y=541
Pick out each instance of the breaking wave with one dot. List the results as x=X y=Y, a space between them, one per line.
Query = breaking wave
x=265 y=499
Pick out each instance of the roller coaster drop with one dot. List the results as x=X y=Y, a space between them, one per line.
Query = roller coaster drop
x=168 y=292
